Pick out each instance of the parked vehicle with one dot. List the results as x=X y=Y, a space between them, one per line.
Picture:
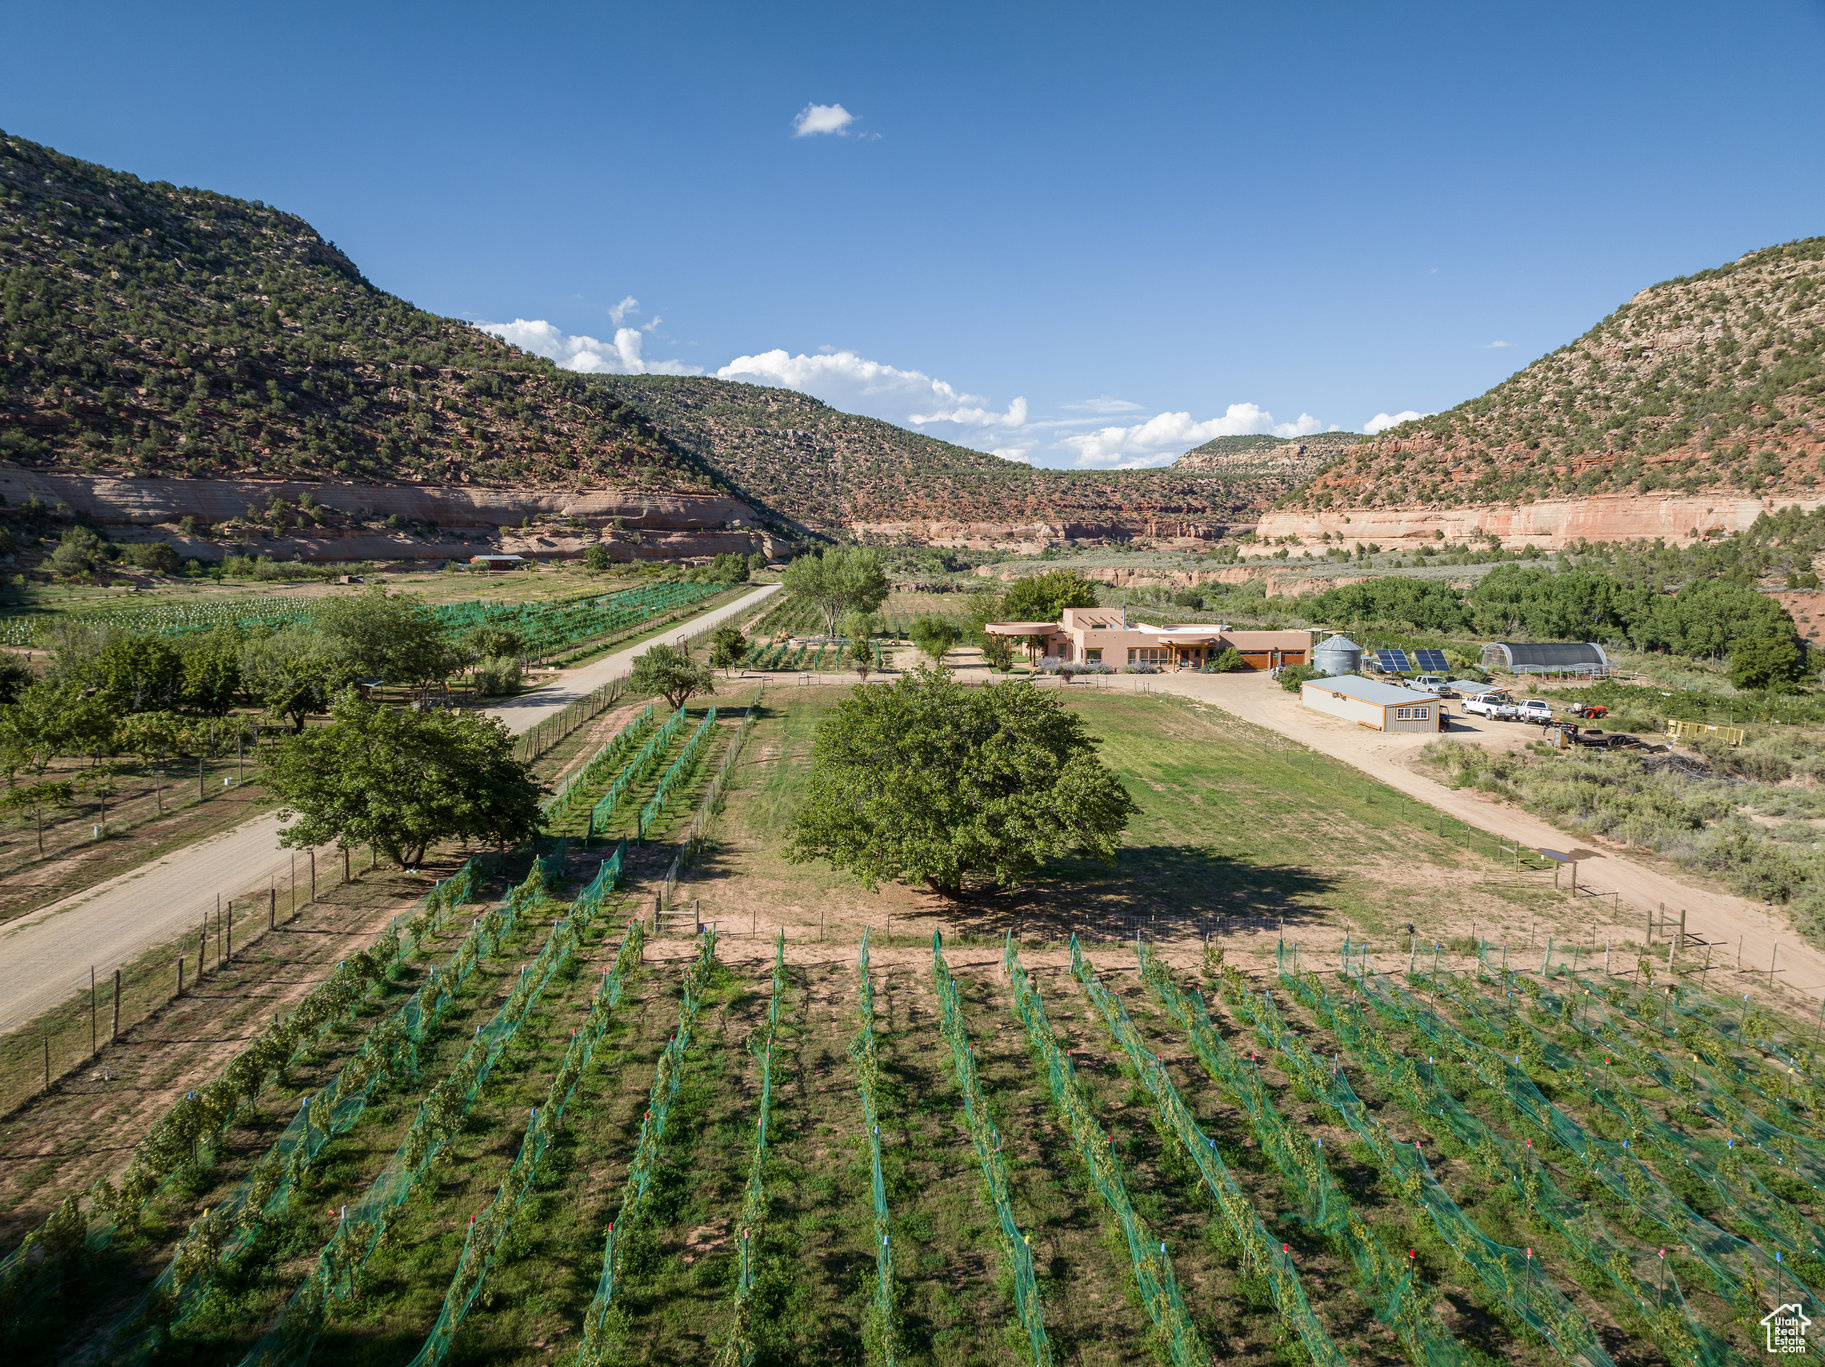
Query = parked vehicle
x=1590 y=710
x=1536 y=710
x=1430 y=684
x=1492 y=706
x=1594 y=739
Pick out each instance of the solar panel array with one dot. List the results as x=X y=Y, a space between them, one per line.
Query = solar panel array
x=1431 y=661
x=1393 y=661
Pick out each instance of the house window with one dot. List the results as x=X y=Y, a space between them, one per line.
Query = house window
x=1149 y=655
x=1093 y=655
x=1412 y=713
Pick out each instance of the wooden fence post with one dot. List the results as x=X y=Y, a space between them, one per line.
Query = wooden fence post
x=114 y=1025
x=202 y=946
x=47 y=1063
x=228 y=933
x=93 y=1047
x=272 y=905
x=180 y=975
x=313 y=875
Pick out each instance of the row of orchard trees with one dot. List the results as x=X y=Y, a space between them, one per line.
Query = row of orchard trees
x=108 y=690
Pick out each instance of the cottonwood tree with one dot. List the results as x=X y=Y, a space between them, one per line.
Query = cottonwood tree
x=931 y=782
x=841 y=579
x=1042 y=597
x=401 y=781
x=670 y=672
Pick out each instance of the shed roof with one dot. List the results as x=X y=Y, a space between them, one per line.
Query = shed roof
x=1368 y=690
x=1470 y=688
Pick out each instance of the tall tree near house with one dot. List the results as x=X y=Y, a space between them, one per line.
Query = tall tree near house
x=394 y=637
x=935 y=637
x=294 y=673
x=1042 y=597
x=930 y=782
x=342 y=781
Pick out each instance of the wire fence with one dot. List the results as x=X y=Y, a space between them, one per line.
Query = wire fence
x=881 y=1330
x=586 y=775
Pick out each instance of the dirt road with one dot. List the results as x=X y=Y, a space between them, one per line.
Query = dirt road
x=1718 y=916
x=45 y=956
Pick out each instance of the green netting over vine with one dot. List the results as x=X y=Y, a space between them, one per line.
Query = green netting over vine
x=1391 y=1285
x=739 y=1346
x=588 y=775
x=439 y=1118
x=1650 y=1283
x=635 y=770
x=1719 y=1165
x=486 y=1234
x=86 y=1223
x=646 y=1151
x=1016 y=1249
x=883 y=1331
x=679 y=769
x=1741 y=1270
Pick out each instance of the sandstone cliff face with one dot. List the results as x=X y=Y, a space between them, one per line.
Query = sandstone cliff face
x=1549 y=524
x=146 y=502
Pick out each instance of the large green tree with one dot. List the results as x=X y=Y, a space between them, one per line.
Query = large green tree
x=1042 y=597
x=402 y=780
x=294 y=673
x=1777 y=662
x=393 y=637
x=929 y=781
x=842 y=579
x=935 y=637
x=670 y=672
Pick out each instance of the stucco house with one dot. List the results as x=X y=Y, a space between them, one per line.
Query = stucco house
x=1105 y=636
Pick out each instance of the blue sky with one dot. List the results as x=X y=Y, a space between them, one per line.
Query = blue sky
x=1080 y=235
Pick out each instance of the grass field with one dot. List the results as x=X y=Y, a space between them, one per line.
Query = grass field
x=1240 y=833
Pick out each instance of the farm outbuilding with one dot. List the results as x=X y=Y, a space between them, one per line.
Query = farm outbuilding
x=1337 y=655
x=495 y=561
x=1584 y=658
x=1378 y=706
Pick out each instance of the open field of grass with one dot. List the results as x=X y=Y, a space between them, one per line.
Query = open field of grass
x=1240 y=833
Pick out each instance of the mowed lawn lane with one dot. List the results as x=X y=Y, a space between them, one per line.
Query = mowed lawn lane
x=679 y=1265
x=954 y=1305
x=545 y=1271
x=1090 y=1315
x=1239 y=823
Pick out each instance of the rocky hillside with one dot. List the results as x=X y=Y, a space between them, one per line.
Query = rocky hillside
x=835 y=471
x=1710 y=385
x=155 y=331
x=1267 y=458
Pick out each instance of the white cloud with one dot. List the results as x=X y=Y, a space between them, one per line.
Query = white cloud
x=618 y=314
x=821 y=118
x=1497 y=345
x=847 y=380
x=1102 y=406
x=1165 y=436
x=1381 y=422
x=587 y=354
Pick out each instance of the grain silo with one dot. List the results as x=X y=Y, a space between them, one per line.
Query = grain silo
x=1337 y=655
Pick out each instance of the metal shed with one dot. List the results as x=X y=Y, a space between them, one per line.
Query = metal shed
x=1378 y=706
x=1584 y=658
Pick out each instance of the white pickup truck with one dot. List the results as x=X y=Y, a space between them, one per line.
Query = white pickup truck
x=1429 y=684
x=1492 y=706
